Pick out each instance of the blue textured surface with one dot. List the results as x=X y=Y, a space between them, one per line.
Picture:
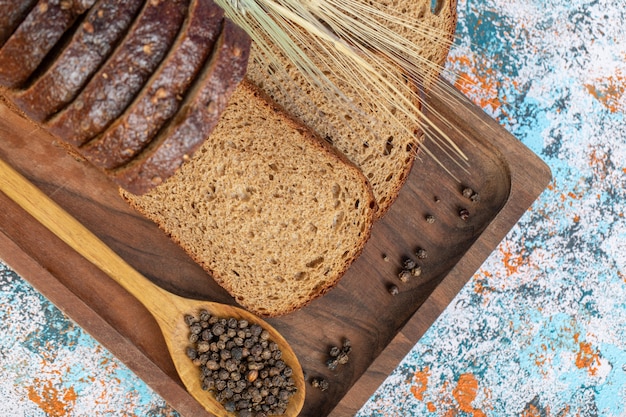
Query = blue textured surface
x=540 y=330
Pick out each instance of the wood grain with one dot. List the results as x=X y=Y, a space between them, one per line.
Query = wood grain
x=382 y=328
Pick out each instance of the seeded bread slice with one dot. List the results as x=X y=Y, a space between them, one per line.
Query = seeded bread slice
x=274 y=214
x=12 y=12
x=198 y=115
x=35 y=37
x=162 y=96
x=382 y=150
x=123 y=75
x=90 y=45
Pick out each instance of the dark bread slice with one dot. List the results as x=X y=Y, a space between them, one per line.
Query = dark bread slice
x=197 y=117
x=38 y=33
x=12 y=12
x=123 y=75
x=162 y=96
x=91 y=44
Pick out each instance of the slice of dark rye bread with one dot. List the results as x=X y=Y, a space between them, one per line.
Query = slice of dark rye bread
x=38 y=33
x=161 y=97
x=123 y=75
x=92 y=42
x=12 y=12
x=197 y=117
x=272 y=212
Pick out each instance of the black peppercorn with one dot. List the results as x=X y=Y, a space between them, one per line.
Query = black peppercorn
x=320 y=383
x=408 y=263
x=464 y=214
x=192 y=353
x=393 y=290
x=404 y=275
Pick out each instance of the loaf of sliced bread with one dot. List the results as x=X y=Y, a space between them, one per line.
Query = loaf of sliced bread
x=273 y=213
x=251 y=190
x=384 y=149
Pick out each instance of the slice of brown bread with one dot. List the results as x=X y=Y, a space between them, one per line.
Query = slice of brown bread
x=123 y=75
x=162 y=96
x=91 y=44
x=197 y=117
x=35 y=37
x=274 y=214
x=383 y=150
x=12 y=12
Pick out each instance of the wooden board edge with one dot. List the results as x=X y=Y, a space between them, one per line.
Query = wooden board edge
x=89 y=321
x=529 y=178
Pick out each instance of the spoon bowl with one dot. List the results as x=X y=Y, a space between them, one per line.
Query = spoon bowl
x=169 y=310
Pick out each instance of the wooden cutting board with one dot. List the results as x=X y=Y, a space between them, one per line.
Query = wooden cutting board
x=382 y=328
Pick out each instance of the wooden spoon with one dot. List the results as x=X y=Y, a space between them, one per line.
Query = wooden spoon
x=168 y=309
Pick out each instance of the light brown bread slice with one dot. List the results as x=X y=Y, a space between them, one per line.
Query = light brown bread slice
x=274 y=214
x=383 y=150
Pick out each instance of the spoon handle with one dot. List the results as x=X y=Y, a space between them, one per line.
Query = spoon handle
x=77 y=236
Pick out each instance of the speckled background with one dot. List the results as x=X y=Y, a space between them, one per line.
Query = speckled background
x=540 y=330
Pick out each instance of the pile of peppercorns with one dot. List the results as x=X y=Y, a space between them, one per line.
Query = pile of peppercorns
x=339 y=355
x=240 y=365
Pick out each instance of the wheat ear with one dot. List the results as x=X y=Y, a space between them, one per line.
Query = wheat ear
x=354 y=41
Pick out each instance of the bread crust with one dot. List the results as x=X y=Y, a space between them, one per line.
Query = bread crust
x=105 y=23
x=12 y=12
x=35 y=37
x=162 y=96
x=113 y=87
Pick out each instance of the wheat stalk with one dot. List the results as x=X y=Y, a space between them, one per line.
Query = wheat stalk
x=354 y=42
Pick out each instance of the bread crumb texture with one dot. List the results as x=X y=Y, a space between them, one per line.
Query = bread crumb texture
x=271 y=213
x=382 y=148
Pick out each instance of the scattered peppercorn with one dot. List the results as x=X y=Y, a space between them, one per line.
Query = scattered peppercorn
x=339 y=356
x=408 y=263
x=471 y=194
x=320 y=383
x=464 y=214
x=404 y=275
x=385 y=257
x=417 y=271
x=467 y=192
x=430 y=219
x=421 y=253
x=393 y=290
x=240 y=365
